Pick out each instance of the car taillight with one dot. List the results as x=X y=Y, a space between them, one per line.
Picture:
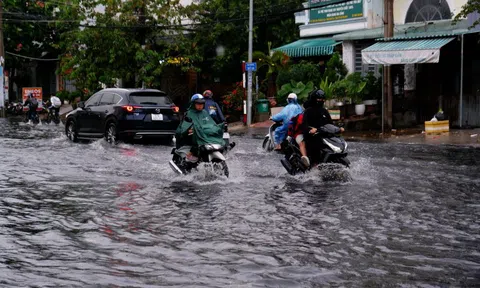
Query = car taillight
x=176 y=109
x=129 y=108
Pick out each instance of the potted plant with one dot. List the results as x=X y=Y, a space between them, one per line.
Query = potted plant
x=354 y=86
x=372 y=89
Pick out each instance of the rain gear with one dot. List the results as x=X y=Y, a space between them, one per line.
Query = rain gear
x=214 y=110
x=205 y=130
x=287 y=113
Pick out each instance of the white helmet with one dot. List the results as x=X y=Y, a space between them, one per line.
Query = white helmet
x=292 y=96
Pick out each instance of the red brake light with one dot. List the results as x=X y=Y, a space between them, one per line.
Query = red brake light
x=176 y=109
x=129 y=108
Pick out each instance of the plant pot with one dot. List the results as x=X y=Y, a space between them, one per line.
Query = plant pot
x=370 y=102
x=360 y=109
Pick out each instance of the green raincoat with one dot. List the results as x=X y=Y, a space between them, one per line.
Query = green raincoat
x=205 y=130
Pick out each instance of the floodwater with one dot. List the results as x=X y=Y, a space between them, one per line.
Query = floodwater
x=83 y=215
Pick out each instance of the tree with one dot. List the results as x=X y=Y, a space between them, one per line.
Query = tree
x=470 y=7
x=221 y=31
x=121 y=39
x=28 y=35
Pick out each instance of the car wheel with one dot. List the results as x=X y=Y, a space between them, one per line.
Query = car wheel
x=71 y=131
x=111 y=134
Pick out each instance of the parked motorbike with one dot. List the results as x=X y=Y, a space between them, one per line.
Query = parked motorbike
x=332 y=150
x=208 y=153
x=269 y=142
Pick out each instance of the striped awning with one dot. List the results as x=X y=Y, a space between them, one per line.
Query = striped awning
x=404 y=52
x=309 y=47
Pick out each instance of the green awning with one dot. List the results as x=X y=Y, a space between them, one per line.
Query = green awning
x=309 y=47
x=404 y=52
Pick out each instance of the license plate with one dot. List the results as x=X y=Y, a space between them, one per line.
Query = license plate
x=157 y=117
x=226 y=136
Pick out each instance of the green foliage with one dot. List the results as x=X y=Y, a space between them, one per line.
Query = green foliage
x=373 y=87
x=328 y=88
x=224 y=24
x=350 y=87
x=471 y=6
x=298 y=88
x=336 y=69
x=233 y=101
x=304 y=71
x=108 y=51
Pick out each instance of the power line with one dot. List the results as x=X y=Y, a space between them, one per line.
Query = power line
x=31 y=58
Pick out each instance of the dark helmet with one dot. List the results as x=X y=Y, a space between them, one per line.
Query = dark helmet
x=317 y=94
x=198 y=98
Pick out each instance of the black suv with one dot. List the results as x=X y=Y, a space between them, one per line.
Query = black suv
x=123 y=113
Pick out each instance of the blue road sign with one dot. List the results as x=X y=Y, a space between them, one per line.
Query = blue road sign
x=251 y=66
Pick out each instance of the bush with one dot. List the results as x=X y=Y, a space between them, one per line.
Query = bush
x=336 y=69
x=302 y=72
x=302 y=91
x=233 y=102
x=63 y=95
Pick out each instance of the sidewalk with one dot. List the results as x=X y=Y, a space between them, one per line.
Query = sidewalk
x=469 y=137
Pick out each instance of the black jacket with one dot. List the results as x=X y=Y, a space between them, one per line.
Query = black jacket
x=315 y=117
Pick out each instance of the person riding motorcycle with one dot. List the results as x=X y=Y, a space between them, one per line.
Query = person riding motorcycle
x=198 y=128
x=295 y=130
x=291 y=110
x=55 y=104
x=32 y=104
x=315 y=116
x=212 y=107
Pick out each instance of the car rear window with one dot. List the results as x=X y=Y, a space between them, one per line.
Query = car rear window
x=150 y=98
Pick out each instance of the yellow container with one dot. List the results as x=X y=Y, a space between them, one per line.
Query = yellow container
x=437 y=127
x=335 y=114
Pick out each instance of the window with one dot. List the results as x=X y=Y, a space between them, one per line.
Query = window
x=93 y=101
x=364 y=69
x=428 y=10
x=107 y=99
x=116 y=99
x=150 y=98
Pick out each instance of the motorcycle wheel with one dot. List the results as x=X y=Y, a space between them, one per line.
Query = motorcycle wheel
x=267 y=145
x=344 y=161
x=288 y=166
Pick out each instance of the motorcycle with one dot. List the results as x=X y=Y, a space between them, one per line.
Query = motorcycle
x=268 y=142
x=35 y=119
x=51 y=116
x=208 y=153
x=333 y=150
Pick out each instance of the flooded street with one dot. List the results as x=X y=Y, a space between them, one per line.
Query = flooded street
x=82 y=215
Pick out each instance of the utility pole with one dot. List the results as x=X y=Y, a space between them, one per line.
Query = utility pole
x=250 y=52
x=387 y=71
x=2 y=59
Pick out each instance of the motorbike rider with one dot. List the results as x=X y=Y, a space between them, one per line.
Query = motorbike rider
x=32 y=104
x=198 y=127
x=291 y=110
x=213 y=108
x=55 y=104
x=295 y=130
x=315 y=116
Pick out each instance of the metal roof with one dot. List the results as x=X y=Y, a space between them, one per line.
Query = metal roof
x=435 y=29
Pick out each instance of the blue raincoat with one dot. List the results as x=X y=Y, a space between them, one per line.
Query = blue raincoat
x=287 y=113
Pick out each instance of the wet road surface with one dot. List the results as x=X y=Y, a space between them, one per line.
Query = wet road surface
x=82 y=215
